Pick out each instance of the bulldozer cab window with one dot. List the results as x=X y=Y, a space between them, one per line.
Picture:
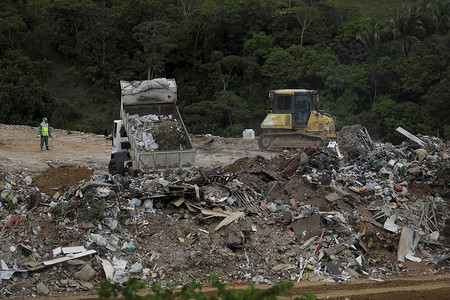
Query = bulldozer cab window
x=283 y=103
x=302 y=109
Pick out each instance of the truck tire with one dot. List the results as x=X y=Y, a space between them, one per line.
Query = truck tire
x=131 y=171
x=112 y=168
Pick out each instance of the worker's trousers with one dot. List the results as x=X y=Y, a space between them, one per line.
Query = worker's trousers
x=44 y=139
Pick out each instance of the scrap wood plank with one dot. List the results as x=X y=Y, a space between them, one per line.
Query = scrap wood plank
x=308 y=242
x=283 y=267
x=178 y=202
x=411 y=137
x=215 y=213
x=35 y=266
x=93 y=183
x=229 y=219
x=66 y=258
x=75 y=249
x=442 y=259
x=192 y=207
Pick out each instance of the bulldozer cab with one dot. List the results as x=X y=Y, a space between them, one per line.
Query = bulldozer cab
x=297 y=102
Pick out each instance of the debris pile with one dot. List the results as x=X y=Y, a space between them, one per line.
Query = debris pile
x=309 y=215
x=154 y=132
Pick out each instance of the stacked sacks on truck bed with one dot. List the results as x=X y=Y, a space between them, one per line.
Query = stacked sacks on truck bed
x=157 y=133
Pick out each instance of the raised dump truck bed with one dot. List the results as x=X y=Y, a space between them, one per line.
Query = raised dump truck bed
x=151 y=134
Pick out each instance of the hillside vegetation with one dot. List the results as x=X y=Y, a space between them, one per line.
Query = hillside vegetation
x=380 y=63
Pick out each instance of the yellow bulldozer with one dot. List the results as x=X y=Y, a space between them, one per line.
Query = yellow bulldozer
x=295 y=121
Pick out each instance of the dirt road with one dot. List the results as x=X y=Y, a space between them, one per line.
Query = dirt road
x=399 y=288
x=19 y=150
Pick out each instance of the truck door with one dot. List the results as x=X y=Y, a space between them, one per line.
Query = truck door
x=302 y=109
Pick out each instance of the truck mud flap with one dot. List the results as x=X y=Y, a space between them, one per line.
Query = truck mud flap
x=120 y=159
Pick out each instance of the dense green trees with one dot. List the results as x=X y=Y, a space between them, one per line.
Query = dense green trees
x=64 y=59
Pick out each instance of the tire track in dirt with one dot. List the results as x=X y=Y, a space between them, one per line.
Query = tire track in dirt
x=433 y=287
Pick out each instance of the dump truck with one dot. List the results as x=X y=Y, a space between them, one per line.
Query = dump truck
x=150 y=134
x=295 y=121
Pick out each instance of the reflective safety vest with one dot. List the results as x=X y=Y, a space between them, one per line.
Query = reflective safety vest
x=44 y=130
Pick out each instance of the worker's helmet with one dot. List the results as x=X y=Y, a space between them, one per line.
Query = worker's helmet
x=44 y=119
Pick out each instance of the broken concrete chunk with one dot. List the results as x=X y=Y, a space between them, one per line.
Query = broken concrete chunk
x=352 y=273
x=421 y=154
x=42 y=289
x=136 y=268
x=333 y=197
x=333 y=269
x=85 y=274
x=405 y=245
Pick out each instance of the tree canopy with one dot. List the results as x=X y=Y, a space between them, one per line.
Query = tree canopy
x=63 y=59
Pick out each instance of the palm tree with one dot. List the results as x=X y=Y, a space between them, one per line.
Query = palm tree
x=370 y=37
x=405 y=27
x=438 y=14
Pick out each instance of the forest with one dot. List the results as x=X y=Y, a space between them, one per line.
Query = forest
x=382 y=65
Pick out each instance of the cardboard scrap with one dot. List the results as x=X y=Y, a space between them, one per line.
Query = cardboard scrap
x=229 y=219
x=178 y=202
x=307 y=227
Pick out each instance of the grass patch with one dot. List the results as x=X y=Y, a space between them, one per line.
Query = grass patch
x=130 y=291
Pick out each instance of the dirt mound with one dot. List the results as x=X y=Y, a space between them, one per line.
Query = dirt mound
x=59 y=178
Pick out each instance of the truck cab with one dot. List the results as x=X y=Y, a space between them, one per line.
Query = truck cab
x=120 y=146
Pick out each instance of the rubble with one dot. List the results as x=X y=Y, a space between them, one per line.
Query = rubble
x=153 y=133
x=309 y=215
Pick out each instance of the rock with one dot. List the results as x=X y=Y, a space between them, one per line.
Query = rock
x=42 y=289
x=85 y=274
x=333 y=197
x=136 y=268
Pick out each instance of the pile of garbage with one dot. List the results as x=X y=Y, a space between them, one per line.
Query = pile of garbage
x=152 y=132
x=309 y=215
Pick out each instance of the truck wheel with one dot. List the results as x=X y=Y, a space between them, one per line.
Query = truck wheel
x=112 y=168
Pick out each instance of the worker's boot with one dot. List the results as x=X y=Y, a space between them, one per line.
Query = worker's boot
x=46 y=148
x=41 y=148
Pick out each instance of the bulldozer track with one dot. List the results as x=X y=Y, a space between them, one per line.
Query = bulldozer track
x=290 y=141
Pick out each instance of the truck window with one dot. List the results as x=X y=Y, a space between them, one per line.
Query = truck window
x=115 y=130
x=123 y=132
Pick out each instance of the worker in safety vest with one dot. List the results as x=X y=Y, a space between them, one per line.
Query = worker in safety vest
x=44 y=131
